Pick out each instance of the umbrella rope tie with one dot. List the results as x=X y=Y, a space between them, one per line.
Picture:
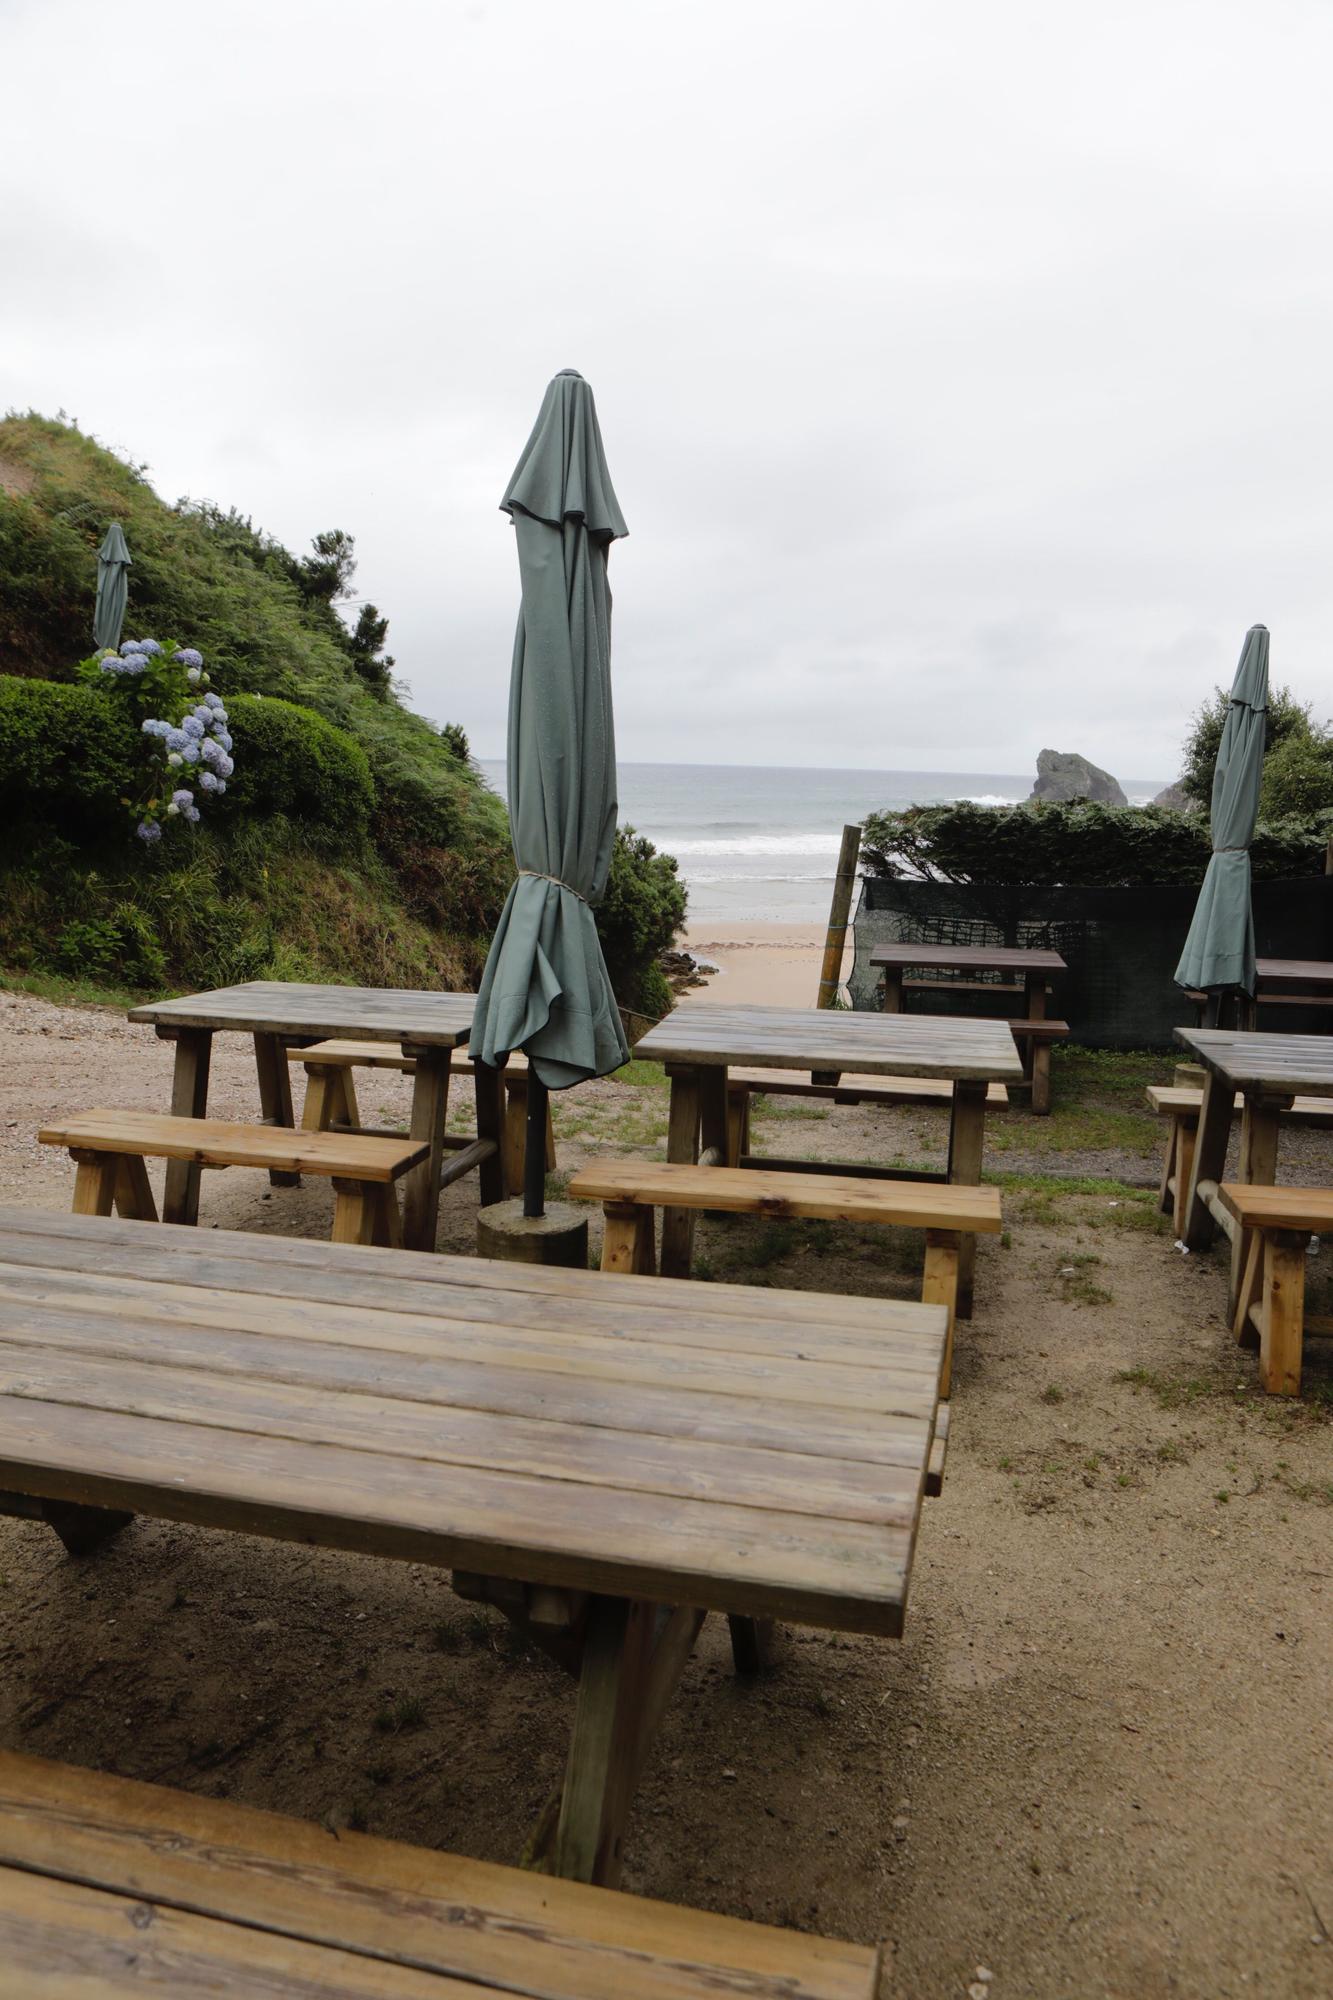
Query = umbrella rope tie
x=538 y=876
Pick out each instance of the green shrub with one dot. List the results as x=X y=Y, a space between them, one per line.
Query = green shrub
x=1079 y=845
x=639 y=916
x=1287 y=719
x=1298 y=777
x=290 y=761
x=120 y=946
x=64 y=755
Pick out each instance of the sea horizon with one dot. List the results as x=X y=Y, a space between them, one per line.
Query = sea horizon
x=754 y=847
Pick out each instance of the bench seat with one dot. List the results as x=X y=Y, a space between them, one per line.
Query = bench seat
x=1270 y=1304
x=110 y=1147
x=1182 y=1104
x=119 y=1888
x=331 y=1103
x=947 y=1211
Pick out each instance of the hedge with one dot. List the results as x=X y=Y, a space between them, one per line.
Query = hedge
x=65 y=751
x=1078 y=845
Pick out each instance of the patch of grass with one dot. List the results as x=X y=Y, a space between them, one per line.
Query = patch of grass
x=1052 y=1394
x=1077 y=1284
x=1172 y=1452
x=642 y=1075
x=70 y=992
x=1171 y=1392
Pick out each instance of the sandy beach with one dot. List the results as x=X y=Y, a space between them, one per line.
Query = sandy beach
x=777 y=964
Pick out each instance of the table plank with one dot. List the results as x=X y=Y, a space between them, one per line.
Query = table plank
x=282 y=1007
x=1253 y=1061
x=970 y=957
x=1314 y=975
x=743 y=1462
x=704 y=1033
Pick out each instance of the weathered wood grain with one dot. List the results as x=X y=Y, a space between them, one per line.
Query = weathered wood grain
x=216 y=1142
x=362 y=1907
x=839 y=1197
x=969 y=957
x=312 y=1012
x=703 y=1034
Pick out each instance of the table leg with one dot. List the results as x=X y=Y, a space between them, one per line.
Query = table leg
x=967 y=1134
x=189 y=1099
x=713 y=1117
x=421 y=1188
x=1210 y=1158
x=1257 y=1167
x=682 y=1146
x=489 y=1087
x=1282 y=1319
x=275 y=1094
x=891 y=1001
x=633 y=1655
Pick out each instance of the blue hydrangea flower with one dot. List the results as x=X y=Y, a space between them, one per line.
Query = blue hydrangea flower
x=183 y=797
x=148 y=646
x=149 y=830
x=190 y=751
x=221 y=785
x=192 y=725
x=192 y=674
x=132 y=646
x=226 y=767
x=189 y=656
x=207 y=782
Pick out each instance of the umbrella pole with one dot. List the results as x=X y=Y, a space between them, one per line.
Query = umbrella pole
x=534 y=1148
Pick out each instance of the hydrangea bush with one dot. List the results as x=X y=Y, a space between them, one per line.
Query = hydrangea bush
x=183 y=723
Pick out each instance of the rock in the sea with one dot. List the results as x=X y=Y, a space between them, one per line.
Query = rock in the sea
x=1174 y=797
x=1064 y=775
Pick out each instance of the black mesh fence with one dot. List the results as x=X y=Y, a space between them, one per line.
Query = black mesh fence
x=1121 y=946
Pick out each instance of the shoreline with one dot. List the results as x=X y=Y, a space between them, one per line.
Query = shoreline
x=773 y=964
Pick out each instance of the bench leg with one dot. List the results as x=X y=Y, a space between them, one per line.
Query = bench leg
x=134 y=1195
x=1257 y=1167
x=189 y=1099
x=627 y=1238
x=1250 y=1292
x=1187 y=1138
x=1041 y=1079
x=388 y=1220
x=682 y=1146
x=633 y=1655
x=355 y=1212
x=317 y=1111
x=1164 y=1195
x=488 y=1084
x=95 y=1181
x=421 y=1187
x=514 y=1147
x=738 y=1123
x=967 y=1136
x=1283 y=1320
x=275 y=1095
x=83 y=1529
x=751 y=1644
x=939 y=1287
x=1210 y=1158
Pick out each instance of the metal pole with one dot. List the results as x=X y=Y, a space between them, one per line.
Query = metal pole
x=534 y=1147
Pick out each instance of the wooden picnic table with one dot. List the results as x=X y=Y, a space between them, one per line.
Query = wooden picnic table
x=1268 y=1071
x=1029 y=970
x=278 y=1013
x=605 y=1459
x=698 y=1040
x=1288 y=982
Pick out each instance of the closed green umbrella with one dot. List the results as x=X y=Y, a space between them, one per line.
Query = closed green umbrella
x=1219 y=951
x=546 y=988
x=113 y=587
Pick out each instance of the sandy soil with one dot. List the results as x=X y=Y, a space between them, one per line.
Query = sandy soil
x=1097 y=1765
x=775 y=965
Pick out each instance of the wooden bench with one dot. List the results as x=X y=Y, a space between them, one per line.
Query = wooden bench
x=892 y=1091
x=630 y=1190
x=109 y=1149
x=330 y=1103
x=1182 y=1105
x=1270 y=1301
x=111 y=1887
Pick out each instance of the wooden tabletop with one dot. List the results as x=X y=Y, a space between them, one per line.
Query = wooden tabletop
x=1273 y=1063
x=700 y=1032
x=970 y=957
x=1307 y=974
x=749 y=1451
x=281 y=1007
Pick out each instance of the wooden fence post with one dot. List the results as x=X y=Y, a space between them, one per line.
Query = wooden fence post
x=843 y=884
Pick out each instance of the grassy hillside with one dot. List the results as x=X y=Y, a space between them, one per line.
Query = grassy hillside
x=282 y=881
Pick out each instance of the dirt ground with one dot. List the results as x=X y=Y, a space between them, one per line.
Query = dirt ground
x=1099 y=1762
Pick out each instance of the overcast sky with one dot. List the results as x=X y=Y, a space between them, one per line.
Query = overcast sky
x=963 y=369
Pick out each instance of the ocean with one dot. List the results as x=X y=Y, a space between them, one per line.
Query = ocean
x=760 y=845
